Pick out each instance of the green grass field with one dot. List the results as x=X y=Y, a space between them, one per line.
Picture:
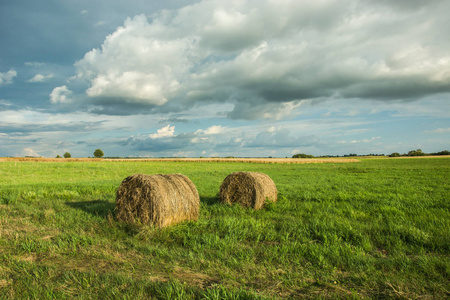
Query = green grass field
x=378 y=228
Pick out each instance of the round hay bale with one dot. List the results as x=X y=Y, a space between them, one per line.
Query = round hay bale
x=249 y=189
x=161 y=200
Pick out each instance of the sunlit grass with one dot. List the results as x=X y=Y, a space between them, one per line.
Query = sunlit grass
x=377 y=228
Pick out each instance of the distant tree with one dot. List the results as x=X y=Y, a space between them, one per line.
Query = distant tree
x=445 y=152
x=302 y=155
x=395 y=154
x=67 y=155
x=417 y=152
x=98 y=153
x=58 y=156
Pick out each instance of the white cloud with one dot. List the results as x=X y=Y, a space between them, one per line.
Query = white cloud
x=135 y=64
x=99 y=23
x=215 y=129
x=29 y=152
x=360 y=141
x=266 y=57
x=438 y=130
x=7 y=78
x=5 y=102
x=164 y=132
x=41 y=78
x=198 y=140
x=48 y=133
x=60 y=94
x=34 y=64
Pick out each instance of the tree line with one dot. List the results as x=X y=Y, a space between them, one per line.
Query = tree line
x=98 y=153
x=417 y=152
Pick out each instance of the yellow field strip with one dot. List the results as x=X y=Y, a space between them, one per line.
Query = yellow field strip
x=238 y=160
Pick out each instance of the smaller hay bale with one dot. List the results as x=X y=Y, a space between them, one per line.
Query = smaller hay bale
x=161 y=200
x=248 y=189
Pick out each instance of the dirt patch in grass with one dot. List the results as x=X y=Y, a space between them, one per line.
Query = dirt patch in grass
x=194 y=278
x=105 y=259
x=30 y=258
x=128 y=268
x=5 y=283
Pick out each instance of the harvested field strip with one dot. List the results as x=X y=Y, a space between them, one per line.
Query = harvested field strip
x=256 y=160
x=237 y=160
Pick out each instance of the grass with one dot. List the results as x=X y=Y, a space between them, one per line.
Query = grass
x=378 y=228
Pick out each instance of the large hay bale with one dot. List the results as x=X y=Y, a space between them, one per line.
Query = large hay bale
x=249 y=189
x=161 y=200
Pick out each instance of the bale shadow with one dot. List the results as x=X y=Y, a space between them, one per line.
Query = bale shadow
x=209 y=200
x=101 y=208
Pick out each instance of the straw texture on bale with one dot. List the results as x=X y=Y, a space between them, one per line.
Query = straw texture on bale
x=161 y=200
x=248 y=189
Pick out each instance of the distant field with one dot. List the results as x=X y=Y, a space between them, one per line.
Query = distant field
x=378 y=228
x=241 y=160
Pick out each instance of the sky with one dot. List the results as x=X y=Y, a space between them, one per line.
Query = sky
x=244 y=78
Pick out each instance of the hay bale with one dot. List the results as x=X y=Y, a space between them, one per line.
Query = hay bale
x=249 y=189
x=161 y=200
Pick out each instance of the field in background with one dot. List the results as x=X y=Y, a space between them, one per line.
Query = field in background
x=376 y=228
x=204 y=159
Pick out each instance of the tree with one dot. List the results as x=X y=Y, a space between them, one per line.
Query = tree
x=98 y=153
x=302 y=155
x=395 y=154
x=57 y=156
x=417 y=152
x=445 y=152
x=67 y=155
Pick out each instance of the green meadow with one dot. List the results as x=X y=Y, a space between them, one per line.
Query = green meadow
x=378 y=228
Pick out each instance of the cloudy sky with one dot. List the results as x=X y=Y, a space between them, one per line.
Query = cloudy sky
x=219 y=78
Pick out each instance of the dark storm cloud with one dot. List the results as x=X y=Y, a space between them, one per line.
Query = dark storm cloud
x=61 y=31
x=178 y=142
x=202 y=65
x=174 y=119
x=46 y=38
x=258 y=54
x=405 y=4
x=213 y=138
